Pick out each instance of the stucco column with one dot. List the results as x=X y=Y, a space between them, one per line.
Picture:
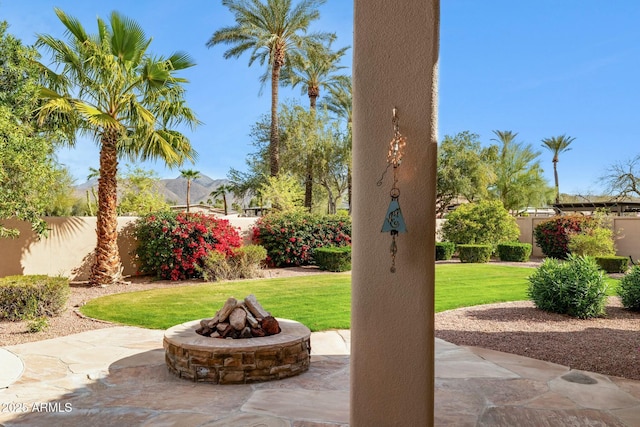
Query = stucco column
x=392 y=355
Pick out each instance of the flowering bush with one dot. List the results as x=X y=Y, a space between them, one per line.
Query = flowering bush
x=553 y=235
x=291 y=237
x=171 y=245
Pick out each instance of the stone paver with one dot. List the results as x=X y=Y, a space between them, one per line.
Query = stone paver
x=118 y=376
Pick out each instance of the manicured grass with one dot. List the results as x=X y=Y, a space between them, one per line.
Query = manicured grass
x=463 y=285
x=321 y=302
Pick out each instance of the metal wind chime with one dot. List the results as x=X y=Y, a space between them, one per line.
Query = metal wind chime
x=394 y=221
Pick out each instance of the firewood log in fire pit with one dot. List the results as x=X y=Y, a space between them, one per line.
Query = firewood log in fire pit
x=240 y=319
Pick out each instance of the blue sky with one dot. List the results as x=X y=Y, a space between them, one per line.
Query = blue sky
x=540 y=68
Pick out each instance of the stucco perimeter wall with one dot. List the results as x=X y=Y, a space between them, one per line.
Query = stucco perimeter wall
x=68 y=249
x=627 y=230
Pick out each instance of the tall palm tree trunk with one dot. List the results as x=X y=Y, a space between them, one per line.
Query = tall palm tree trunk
x=308 y=184
x=224 y=203
x=188 y=194
x=555 y=176
x=107 y=268
x=274 y=145
x=349 y=190
x=308 y=180
x=313 y=93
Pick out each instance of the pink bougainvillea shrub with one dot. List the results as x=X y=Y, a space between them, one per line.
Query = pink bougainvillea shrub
x=171 y=245
x=290 y=238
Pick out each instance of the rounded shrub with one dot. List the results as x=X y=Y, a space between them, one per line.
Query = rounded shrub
x=333 y=258
x=444 y=250
x=575 y=287
x=486 y=222
x=172 y=245
x=613 y=264
x=290 y=238
x=515 y=252
x=474 y=253
x=32 y=297
x=597 y=241
x=552 y=235
x=629 y=289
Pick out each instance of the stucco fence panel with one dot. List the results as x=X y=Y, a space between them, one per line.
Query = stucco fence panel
x=626 y=229
x=68 y=249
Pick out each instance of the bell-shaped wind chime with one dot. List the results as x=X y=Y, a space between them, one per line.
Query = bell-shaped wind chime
x=394 y=221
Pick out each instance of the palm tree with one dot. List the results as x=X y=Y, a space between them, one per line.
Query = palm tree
x=557 y=145
x=189 y=175
x=222 y=191
x=315 y=68
x=339 y=103
x=108 y=86
x=518 y=174
x=270 y=30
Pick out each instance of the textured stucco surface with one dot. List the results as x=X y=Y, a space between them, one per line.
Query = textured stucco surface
x=395 y=65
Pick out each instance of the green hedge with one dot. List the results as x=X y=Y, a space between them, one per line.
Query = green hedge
x=333 y=258
x=29 y=297
x=444 y=250
x=613 y=264
x=474 y=253
x=516 y=252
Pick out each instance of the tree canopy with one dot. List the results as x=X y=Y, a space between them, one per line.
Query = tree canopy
x=271 y=31
x=463 y=170
x=518 y=175
x=304 y=135
x=27 y=166
x=622 y=179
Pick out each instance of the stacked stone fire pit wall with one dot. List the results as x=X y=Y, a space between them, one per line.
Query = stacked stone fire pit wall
x=226 y=361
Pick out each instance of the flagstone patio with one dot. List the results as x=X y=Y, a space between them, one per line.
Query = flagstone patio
x=118 y=376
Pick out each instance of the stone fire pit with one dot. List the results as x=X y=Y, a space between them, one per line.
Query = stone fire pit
x=241 y=344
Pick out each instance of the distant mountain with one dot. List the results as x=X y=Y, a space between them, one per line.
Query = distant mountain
x=175 y=190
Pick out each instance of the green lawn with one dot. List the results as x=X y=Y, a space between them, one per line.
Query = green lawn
x=321 y=302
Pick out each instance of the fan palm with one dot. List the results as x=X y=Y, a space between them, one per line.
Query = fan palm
x=270 y=30
x=557 y=145
x=189 y=175
x=108 y=86
x=222 y=192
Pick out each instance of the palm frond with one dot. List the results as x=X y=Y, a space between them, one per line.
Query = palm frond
x=180 y=61
x=73 y=25
x=128 y=40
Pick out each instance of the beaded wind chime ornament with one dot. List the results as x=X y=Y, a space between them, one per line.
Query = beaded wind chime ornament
x=394 y=221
